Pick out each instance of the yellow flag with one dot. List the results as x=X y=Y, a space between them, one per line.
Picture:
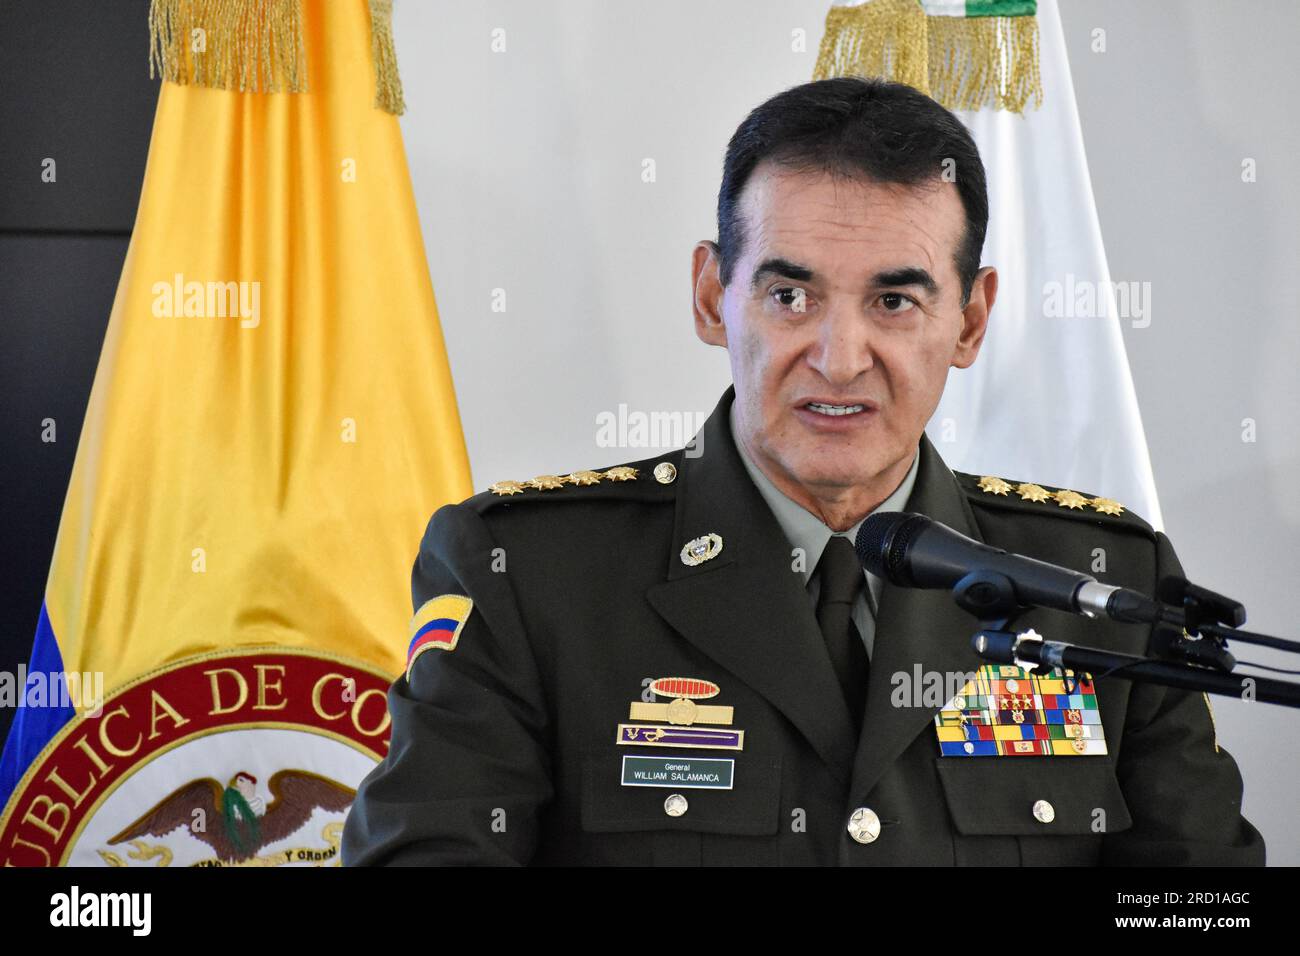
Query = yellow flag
x=272 y=423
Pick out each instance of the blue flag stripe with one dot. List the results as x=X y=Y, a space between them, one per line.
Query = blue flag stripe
x=34 y=727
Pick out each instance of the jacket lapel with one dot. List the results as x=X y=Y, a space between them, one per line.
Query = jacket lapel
x=747 y=608
x=917 y=630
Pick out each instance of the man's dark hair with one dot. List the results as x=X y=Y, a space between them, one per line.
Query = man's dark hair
x=856 y=127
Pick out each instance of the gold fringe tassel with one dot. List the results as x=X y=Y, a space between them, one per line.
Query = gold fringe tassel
x=962 y=62
x=244 y=45
x=383 y=53
x=255 y=46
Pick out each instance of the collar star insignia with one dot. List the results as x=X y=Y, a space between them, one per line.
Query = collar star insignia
x=1070 y=499
x=1032 y=492
x=621 y=473
x=1107 y=506
x=546 y=482
x=994 y=486
x=584 y=478
x=506 y=487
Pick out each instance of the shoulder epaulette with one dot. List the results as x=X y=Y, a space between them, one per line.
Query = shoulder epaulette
x=1045 y=499
x=639 y=480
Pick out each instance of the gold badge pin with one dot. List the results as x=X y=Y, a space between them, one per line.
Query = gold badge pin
x=701 y=549
x=682 y=709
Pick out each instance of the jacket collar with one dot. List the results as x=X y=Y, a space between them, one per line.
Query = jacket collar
x=748 y=608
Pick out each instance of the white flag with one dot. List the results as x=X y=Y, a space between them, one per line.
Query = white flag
x=1050 y=399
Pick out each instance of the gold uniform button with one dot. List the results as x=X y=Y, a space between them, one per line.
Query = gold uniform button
x=665 y=472
x=675 y=805
x=1044 y=812
x=864 y=825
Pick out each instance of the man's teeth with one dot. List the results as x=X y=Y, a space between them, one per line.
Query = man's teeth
x=835 y=409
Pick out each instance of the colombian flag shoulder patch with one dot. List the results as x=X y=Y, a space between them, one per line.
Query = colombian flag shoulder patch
x=437 y=624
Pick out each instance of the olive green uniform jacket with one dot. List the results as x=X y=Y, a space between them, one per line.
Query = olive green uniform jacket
x=504 y=749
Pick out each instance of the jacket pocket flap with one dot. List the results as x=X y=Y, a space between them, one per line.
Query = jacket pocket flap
x=1022 y=796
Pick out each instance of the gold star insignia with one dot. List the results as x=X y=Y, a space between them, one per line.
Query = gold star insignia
x=1031 y=492
x=584 y=478
x=506 y=488
x=1070 y=499
x=546 y=482
x=621 y=473
x=994 y=486
x=1107 y=506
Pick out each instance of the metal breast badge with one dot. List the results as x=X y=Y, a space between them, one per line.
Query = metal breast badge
x=701 y=549
x=677 y=722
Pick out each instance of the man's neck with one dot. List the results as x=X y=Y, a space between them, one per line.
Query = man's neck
x=836 y=506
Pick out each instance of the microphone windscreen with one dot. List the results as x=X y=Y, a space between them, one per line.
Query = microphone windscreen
x=882 y=540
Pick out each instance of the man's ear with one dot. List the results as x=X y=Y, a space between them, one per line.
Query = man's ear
x=705 y=263
x=975 y=317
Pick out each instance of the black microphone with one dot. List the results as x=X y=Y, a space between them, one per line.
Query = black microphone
x=914 y=551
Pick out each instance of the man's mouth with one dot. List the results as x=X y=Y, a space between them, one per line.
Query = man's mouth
x=822 y=408
x=828 y=417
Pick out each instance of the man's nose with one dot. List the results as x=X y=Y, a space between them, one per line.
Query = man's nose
x=843 y=346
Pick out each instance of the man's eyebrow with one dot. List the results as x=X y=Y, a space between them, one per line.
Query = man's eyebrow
x=910 y=275
x=784 y=268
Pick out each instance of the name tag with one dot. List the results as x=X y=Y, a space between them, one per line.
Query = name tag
x=678 y=772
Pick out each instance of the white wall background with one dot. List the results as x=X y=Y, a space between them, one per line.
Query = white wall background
x=527 y=167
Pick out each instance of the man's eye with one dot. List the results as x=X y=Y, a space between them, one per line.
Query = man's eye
x=791 y=298
x=894 y=301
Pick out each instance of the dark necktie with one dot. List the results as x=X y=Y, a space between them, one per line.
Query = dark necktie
x=842 y=582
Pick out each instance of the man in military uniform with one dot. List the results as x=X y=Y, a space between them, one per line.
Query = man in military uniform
x=680 y=661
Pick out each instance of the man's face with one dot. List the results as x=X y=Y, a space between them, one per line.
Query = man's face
x=841 y=320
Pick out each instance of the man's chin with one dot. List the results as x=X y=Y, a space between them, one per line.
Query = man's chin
x=830 y=484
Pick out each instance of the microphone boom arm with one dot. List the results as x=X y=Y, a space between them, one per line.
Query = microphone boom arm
x=1029 y=649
